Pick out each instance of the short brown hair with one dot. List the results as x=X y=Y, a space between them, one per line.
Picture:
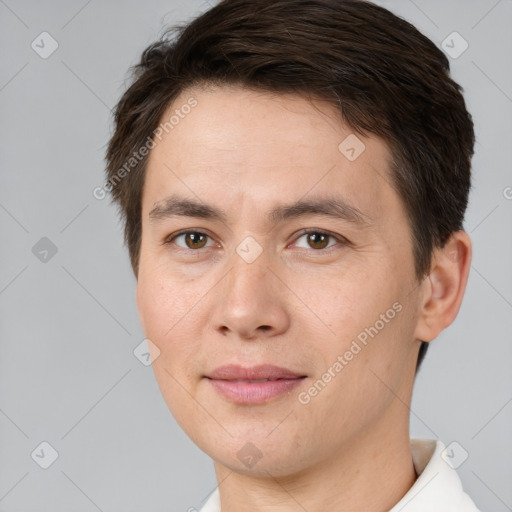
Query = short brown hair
x=384 y=76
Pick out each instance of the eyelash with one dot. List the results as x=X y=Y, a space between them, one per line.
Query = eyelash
x=341 y=240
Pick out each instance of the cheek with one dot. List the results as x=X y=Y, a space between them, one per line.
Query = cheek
x=161 y=303
x=150 y=297
x=344 y=306
x=365 y=322
x=167 y=314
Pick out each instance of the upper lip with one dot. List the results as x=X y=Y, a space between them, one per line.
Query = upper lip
x=264 y=371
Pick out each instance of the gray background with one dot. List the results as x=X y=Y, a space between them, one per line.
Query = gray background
x=69 y=325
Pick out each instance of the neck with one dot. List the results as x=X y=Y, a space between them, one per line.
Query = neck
x=370 y=472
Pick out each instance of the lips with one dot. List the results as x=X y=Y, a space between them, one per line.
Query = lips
x=253 y=386
x=261 y=373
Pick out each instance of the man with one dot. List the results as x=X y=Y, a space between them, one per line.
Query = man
x=293 y=177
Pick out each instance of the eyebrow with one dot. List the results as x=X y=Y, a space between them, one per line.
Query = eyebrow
x=335 y=207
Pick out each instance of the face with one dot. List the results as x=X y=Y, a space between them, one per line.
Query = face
x=330 y=298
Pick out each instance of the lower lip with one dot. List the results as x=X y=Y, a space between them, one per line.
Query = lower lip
x=254 y=392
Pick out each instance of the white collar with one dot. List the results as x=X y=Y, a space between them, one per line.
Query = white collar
x=437 y=488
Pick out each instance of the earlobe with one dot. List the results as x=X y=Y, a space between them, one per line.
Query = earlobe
x=444 y=287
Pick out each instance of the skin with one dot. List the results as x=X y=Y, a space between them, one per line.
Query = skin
x=298 y=305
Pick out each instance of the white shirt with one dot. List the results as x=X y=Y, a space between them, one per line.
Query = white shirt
x=437 y=489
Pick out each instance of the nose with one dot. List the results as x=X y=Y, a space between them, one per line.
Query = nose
x=250 y=302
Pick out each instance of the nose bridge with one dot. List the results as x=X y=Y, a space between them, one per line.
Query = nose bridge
x=250 y=297
x=250 y=274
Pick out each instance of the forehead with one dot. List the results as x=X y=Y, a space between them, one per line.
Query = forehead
x=252 y=148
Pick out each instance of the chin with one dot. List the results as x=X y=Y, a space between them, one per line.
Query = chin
x=275 y=465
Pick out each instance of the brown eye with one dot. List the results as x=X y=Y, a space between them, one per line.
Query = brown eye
x=192 y=240
x=318 y=240
x=197 y=240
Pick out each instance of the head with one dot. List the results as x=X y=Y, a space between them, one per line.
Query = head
x=238 y=132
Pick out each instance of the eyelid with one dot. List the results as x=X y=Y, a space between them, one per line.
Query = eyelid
x=170 y=239
x=339 y=238
x=305 y=231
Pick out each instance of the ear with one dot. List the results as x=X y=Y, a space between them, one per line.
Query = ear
x=444 y=287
